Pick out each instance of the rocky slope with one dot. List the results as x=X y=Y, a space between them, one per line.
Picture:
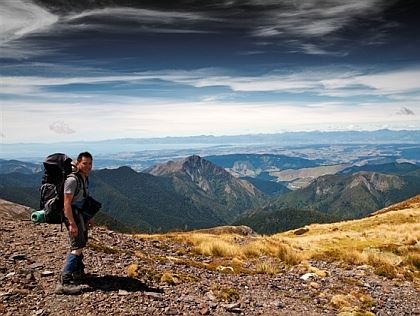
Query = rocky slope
x=160 y=276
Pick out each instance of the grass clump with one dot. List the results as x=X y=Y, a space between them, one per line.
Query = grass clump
x=266 y=268
x=286 y=254
x=354 y=303
x=413 y=261
x=228 y=294
x=382 y=266
x=132 y=270
x=217 y=248
x=170 y=278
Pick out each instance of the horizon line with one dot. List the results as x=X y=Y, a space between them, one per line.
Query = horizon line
x=160 y=138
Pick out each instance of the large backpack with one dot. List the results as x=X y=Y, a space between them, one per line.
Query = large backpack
x=56 y=169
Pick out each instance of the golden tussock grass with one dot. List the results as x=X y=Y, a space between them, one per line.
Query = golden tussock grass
x=354 y=303
x=387 y=241
x=266 y=268
x=171 y=278
x=132 y=270
x=413 y=260
x=217 y=248
x=227 y=294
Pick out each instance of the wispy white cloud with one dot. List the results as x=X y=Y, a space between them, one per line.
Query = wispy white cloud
x=60 y=127
x=149 y=21
x=304 y=21
x=142 y=15
x=329 y=82
x=316 y=18
x=393 y=81
x=19 y=18
x=312 y=49
x=275 y=21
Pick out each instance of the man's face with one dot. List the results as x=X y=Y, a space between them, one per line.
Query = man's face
x=85 y=165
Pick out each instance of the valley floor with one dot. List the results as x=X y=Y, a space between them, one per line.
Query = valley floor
x=132 y=276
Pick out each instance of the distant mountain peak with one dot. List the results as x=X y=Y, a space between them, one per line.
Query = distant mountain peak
x=195 y=166
x=202 y=180
x=198 y=170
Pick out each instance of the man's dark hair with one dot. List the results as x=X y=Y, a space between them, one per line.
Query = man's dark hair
x=84 y=154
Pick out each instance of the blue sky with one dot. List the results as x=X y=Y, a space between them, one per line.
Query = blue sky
x=79 y=70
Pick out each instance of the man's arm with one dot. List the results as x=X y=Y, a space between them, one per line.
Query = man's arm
x=68 y=213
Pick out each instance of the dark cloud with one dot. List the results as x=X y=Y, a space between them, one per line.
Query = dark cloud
x=312 y=24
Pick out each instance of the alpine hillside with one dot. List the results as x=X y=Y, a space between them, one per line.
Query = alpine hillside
x=361 y=267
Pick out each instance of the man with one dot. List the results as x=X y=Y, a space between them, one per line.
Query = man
x=75 y=193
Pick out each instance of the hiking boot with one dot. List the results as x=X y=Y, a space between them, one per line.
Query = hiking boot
x=68 y=289
x=66 y=285
x=79 y=276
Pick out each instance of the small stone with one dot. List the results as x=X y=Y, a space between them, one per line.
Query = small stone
x=153 y=295
x=10 y=274
x=123 y=292
x=233 y=307
x=17 y=256
x=278 y=304
x=47 y=273
x=171 y=311
x=205 y=311
x=301 y=231
x=315 y=285
x=211 y=296
x=35 y=265
x=308 y=276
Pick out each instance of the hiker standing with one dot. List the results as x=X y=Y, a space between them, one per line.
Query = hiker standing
x=75 y=194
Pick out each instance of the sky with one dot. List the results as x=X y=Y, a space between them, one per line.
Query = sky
x=103 y=69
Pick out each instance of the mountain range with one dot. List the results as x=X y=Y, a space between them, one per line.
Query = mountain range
x=193 y=192
x=333 y=198
x=384 y=136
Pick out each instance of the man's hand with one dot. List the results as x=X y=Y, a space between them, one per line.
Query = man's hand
x=73 y=230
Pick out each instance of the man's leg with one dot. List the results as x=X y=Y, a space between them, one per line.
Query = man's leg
x=66 y=284
x=79 y=273
x=73 y=261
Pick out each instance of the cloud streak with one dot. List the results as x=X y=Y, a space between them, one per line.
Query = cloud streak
x=330 y=82
x=19 y=18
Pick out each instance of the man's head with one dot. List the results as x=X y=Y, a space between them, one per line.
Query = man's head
x=84 y=163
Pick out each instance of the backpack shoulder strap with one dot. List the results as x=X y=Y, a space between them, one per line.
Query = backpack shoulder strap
x=80 y=183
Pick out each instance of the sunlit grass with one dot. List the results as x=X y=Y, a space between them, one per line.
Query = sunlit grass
x=388 y=242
